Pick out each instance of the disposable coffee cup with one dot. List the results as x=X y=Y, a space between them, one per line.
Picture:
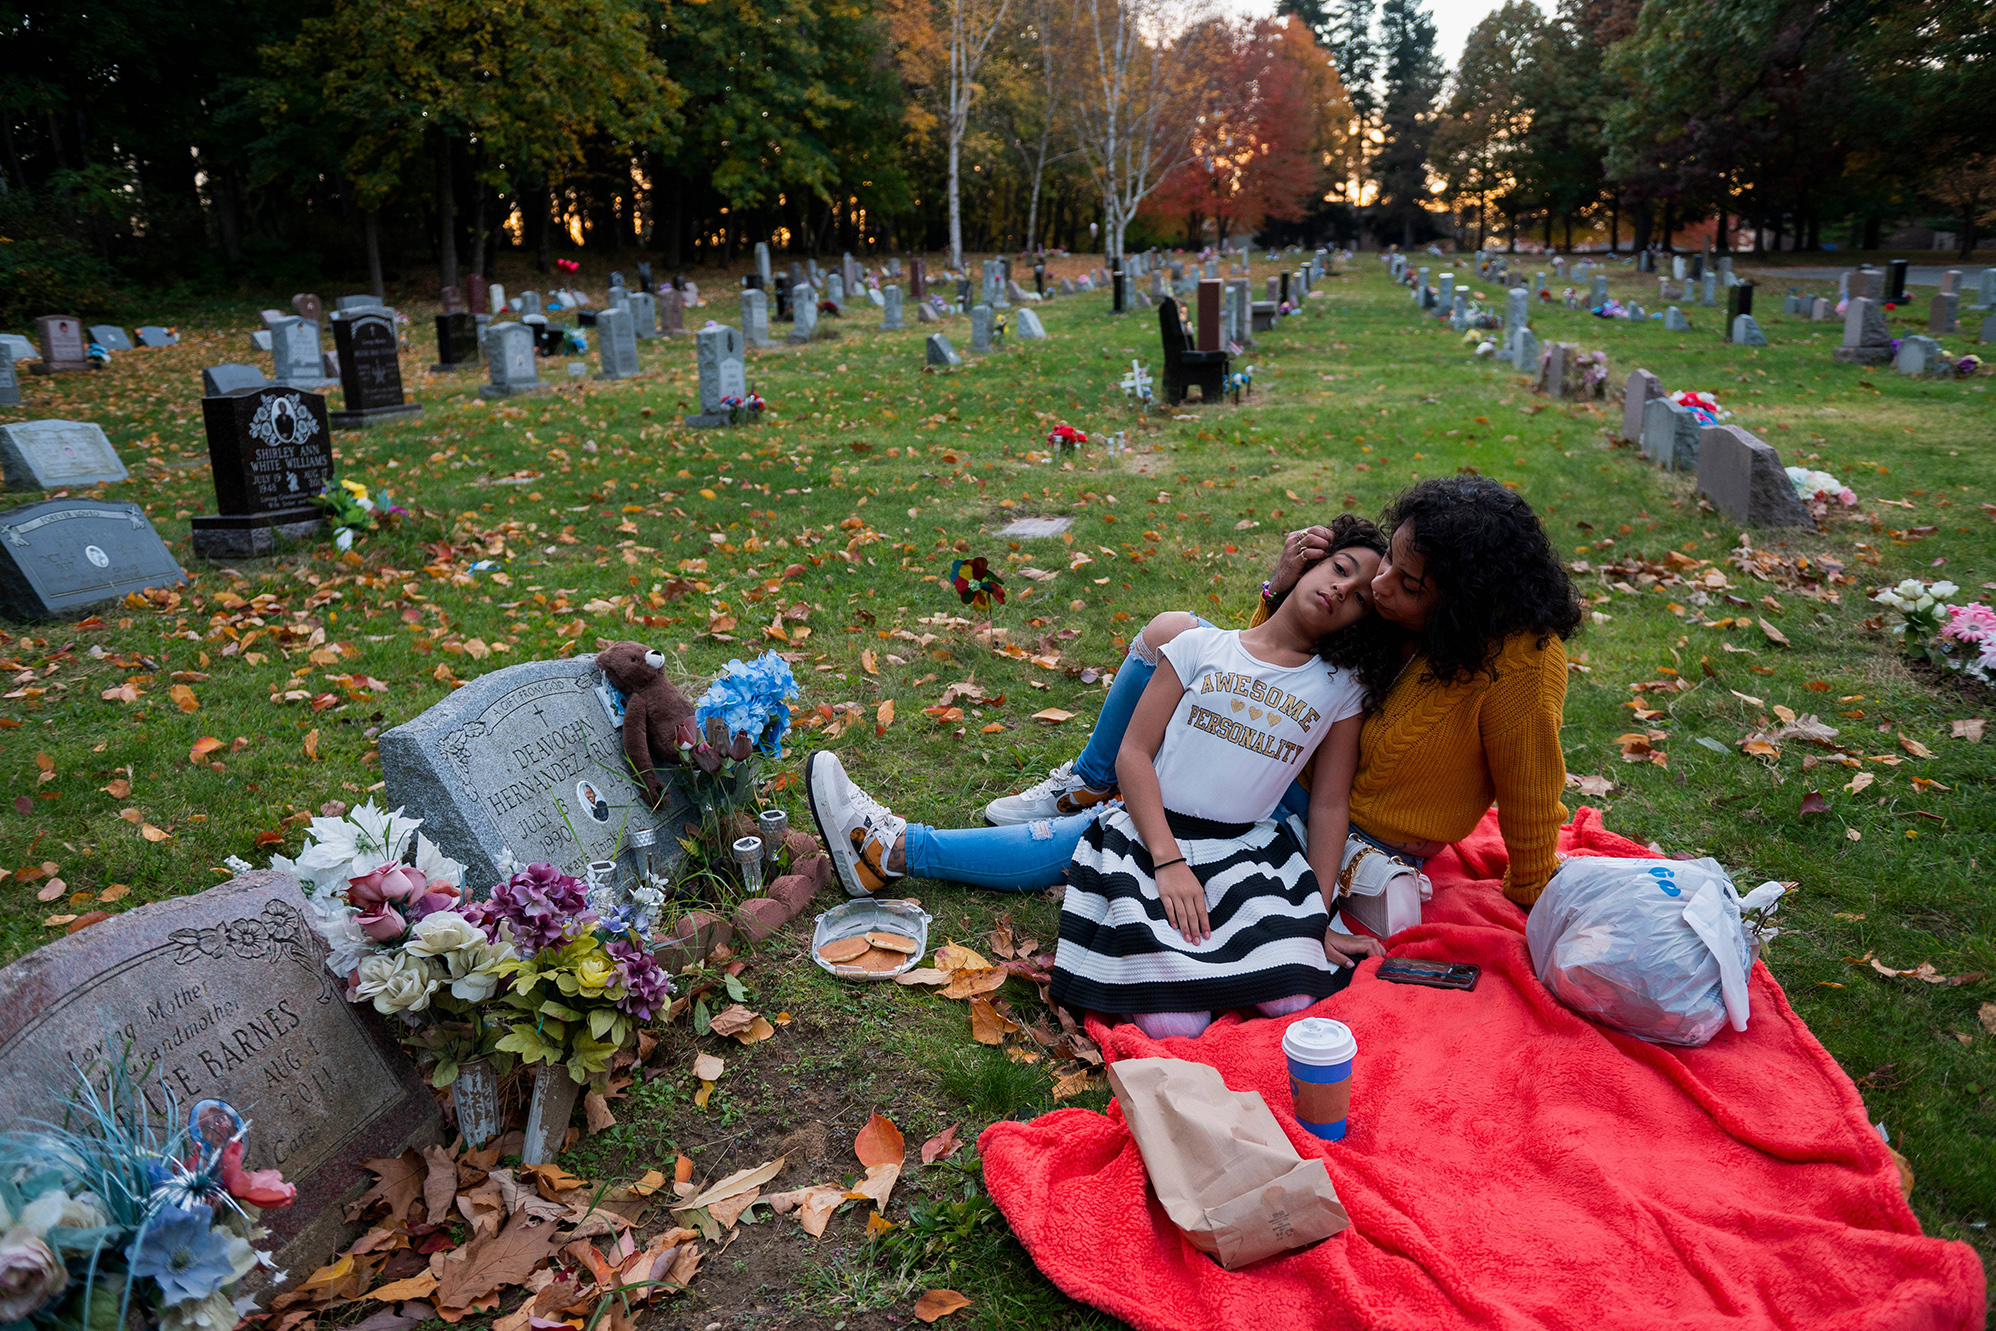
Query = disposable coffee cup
x=1320 y=1053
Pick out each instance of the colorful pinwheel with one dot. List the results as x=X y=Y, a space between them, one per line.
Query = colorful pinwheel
x=976 y=583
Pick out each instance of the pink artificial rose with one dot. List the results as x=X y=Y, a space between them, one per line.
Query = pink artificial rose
x=381 y=922
x=390 y=882
x=265 y=1188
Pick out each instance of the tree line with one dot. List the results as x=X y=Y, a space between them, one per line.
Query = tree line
x=253 y=142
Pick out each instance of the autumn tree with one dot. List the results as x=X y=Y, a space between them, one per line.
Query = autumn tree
x=1137 y=102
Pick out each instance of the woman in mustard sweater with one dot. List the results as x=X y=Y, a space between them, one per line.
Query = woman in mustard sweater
x=1478 y=607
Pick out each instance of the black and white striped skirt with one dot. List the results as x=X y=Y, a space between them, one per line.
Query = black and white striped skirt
x=1119 y=953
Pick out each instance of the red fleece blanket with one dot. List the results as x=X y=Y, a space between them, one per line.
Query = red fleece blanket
x=1510 y=1164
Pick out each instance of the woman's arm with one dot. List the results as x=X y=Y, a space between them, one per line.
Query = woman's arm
x=1330 y=822
x=1136 y=769
x=1521 y=721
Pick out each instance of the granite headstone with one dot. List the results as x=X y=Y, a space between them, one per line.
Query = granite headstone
x=1029 y=327
x=68 y=554
x=617 y=344
x=308 y=306
x=219 y=379
x=803 y=314
x=223 y=994
x=1642 y=387
x=509 y=358
x=370 y=371
x=755 y=317
x=1746 y=332
x=152 y=335
x=1670 y=435
x=981 y=321
x=10 y=382
x=294 y=351
x=890 y=319
x=63 y=348
x=110 y=337
x=526 y=759
x=718 y=351
x=271 y=451
x=940 y=352
x=457 y=342
x=1866 y=338
x=57 y=455
x=644 y=315
x=1745 y=480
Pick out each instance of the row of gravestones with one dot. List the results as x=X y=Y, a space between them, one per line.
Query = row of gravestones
x=65 y=347
x=1741 y=476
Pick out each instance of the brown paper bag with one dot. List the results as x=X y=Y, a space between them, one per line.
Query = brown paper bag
x=1225 y=1172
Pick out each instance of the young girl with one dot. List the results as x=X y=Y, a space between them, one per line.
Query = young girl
x=1193 y=897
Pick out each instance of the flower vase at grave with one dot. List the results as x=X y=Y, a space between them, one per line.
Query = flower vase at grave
x=475 y=1094
x=548 y=1113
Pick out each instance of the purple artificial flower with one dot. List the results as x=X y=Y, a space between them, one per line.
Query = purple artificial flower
x=646 y=985
x=544 y=905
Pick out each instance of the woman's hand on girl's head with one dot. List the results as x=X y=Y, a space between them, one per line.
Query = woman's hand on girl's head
x=1184 y=902
x=1347 y=950
x=1300 y=549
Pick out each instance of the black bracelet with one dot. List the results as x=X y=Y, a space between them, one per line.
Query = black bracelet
x=1167 y=864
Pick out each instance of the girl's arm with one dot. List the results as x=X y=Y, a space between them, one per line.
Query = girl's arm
x=1136 y=769
x=1330 y=823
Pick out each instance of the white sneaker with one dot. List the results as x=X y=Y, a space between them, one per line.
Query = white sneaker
x=1061 y=794
x=857 y=829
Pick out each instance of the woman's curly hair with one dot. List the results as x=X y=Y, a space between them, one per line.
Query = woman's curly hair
x=1489 y=556
x=1370 y=649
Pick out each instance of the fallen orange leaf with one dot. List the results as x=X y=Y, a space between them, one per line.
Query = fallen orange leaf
x=939 y=1303
x=879 y=1143
x=987 y=1024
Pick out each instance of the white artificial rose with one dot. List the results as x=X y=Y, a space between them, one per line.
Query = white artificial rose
x=1943 y=589
x=217 y=1312
x=473 y=970
x=443 y=932
x=397 y=982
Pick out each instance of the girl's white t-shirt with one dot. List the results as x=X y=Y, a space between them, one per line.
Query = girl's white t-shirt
x=1244 y=728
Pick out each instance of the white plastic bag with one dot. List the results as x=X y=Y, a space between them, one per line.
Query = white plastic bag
x=1655 y=948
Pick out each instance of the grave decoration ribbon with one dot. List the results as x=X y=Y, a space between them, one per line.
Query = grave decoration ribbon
x=976 y=584
x=112 y=1217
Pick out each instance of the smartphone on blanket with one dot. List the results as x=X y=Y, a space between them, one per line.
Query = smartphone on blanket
x=1433 y=974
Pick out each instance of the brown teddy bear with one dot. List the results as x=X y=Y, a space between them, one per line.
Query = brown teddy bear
x=654 y=711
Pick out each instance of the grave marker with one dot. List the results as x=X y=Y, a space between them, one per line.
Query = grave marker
x=1985 y=290
x=1211 y=290
x=152 y=335
x=61 y=555
x=57 y=455
x=918 y=278
x=672 y=312
x=457 y=342
x=370 y=371
x=644 y=315
x=1670 y=435
x=307 y=306
x=509 y=357
x=110 y=337
x=762 y=269
x=1918 y=356
x=803 y=314
x=617 y=344
x=940 y=352
x=1745 y=480
x=835 y=290
x=10 y=383
x=1642 y=387
x=1942 y=312
x=755 y=317
x=63 y=348
x=981 y=328
x=1866 y=339
x=524 y=759
x=1746 y=332
x=1675 y=322
x=294 y=351
x=17 y=347
x=271 y=451
x=1029 y=327
x=891 y=320
x=219 y=379
x=722 y=374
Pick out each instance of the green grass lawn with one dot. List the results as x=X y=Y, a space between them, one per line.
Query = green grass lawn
x=608 y=519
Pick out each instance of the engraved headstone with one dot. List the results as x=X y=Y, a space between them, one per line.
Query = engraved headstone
x=890 y=319
x=1745 y=480
x=1918 y=356
x=10 y=383
x=1985 y=289
x=294 y=350
x=57 y=455
x=1895 y=280
x=524 y=759
x=509 y=356
x=925 y=313
x=450 y=300
x=219 y=379
x=835 y=290
x=762 y=262
x=343 y=304
x=370 y=371
x=223 y=994
x=1675 y=322
x=271 y=452
x=63 y=348
x=617 y=344
x=1597 y=295
x=477 y=292
x=722 y=374
x=457 y=342
x=1943 y=312
x=495 y=304
x=68 y=554
x=941 y=352
x=1820 y=310
x=110 y=337
x=671 y=312
x=1029 y=327
x=1670 y=435
x=1746 y=332
x=16 y=347
x=152 y=335
x=918 y=278
x=981 y=321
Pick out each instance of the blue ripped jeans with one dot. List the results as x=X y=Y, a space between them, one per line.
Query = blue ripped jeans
x=1032 y=857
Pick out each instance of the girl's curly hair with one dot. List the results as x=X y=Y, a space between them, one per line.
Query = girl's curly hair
x=1370 y=649
x=1490 y=557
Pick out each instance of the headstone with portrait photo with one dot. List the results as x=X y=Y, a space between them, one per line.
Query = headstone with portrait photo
x=271 y=453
